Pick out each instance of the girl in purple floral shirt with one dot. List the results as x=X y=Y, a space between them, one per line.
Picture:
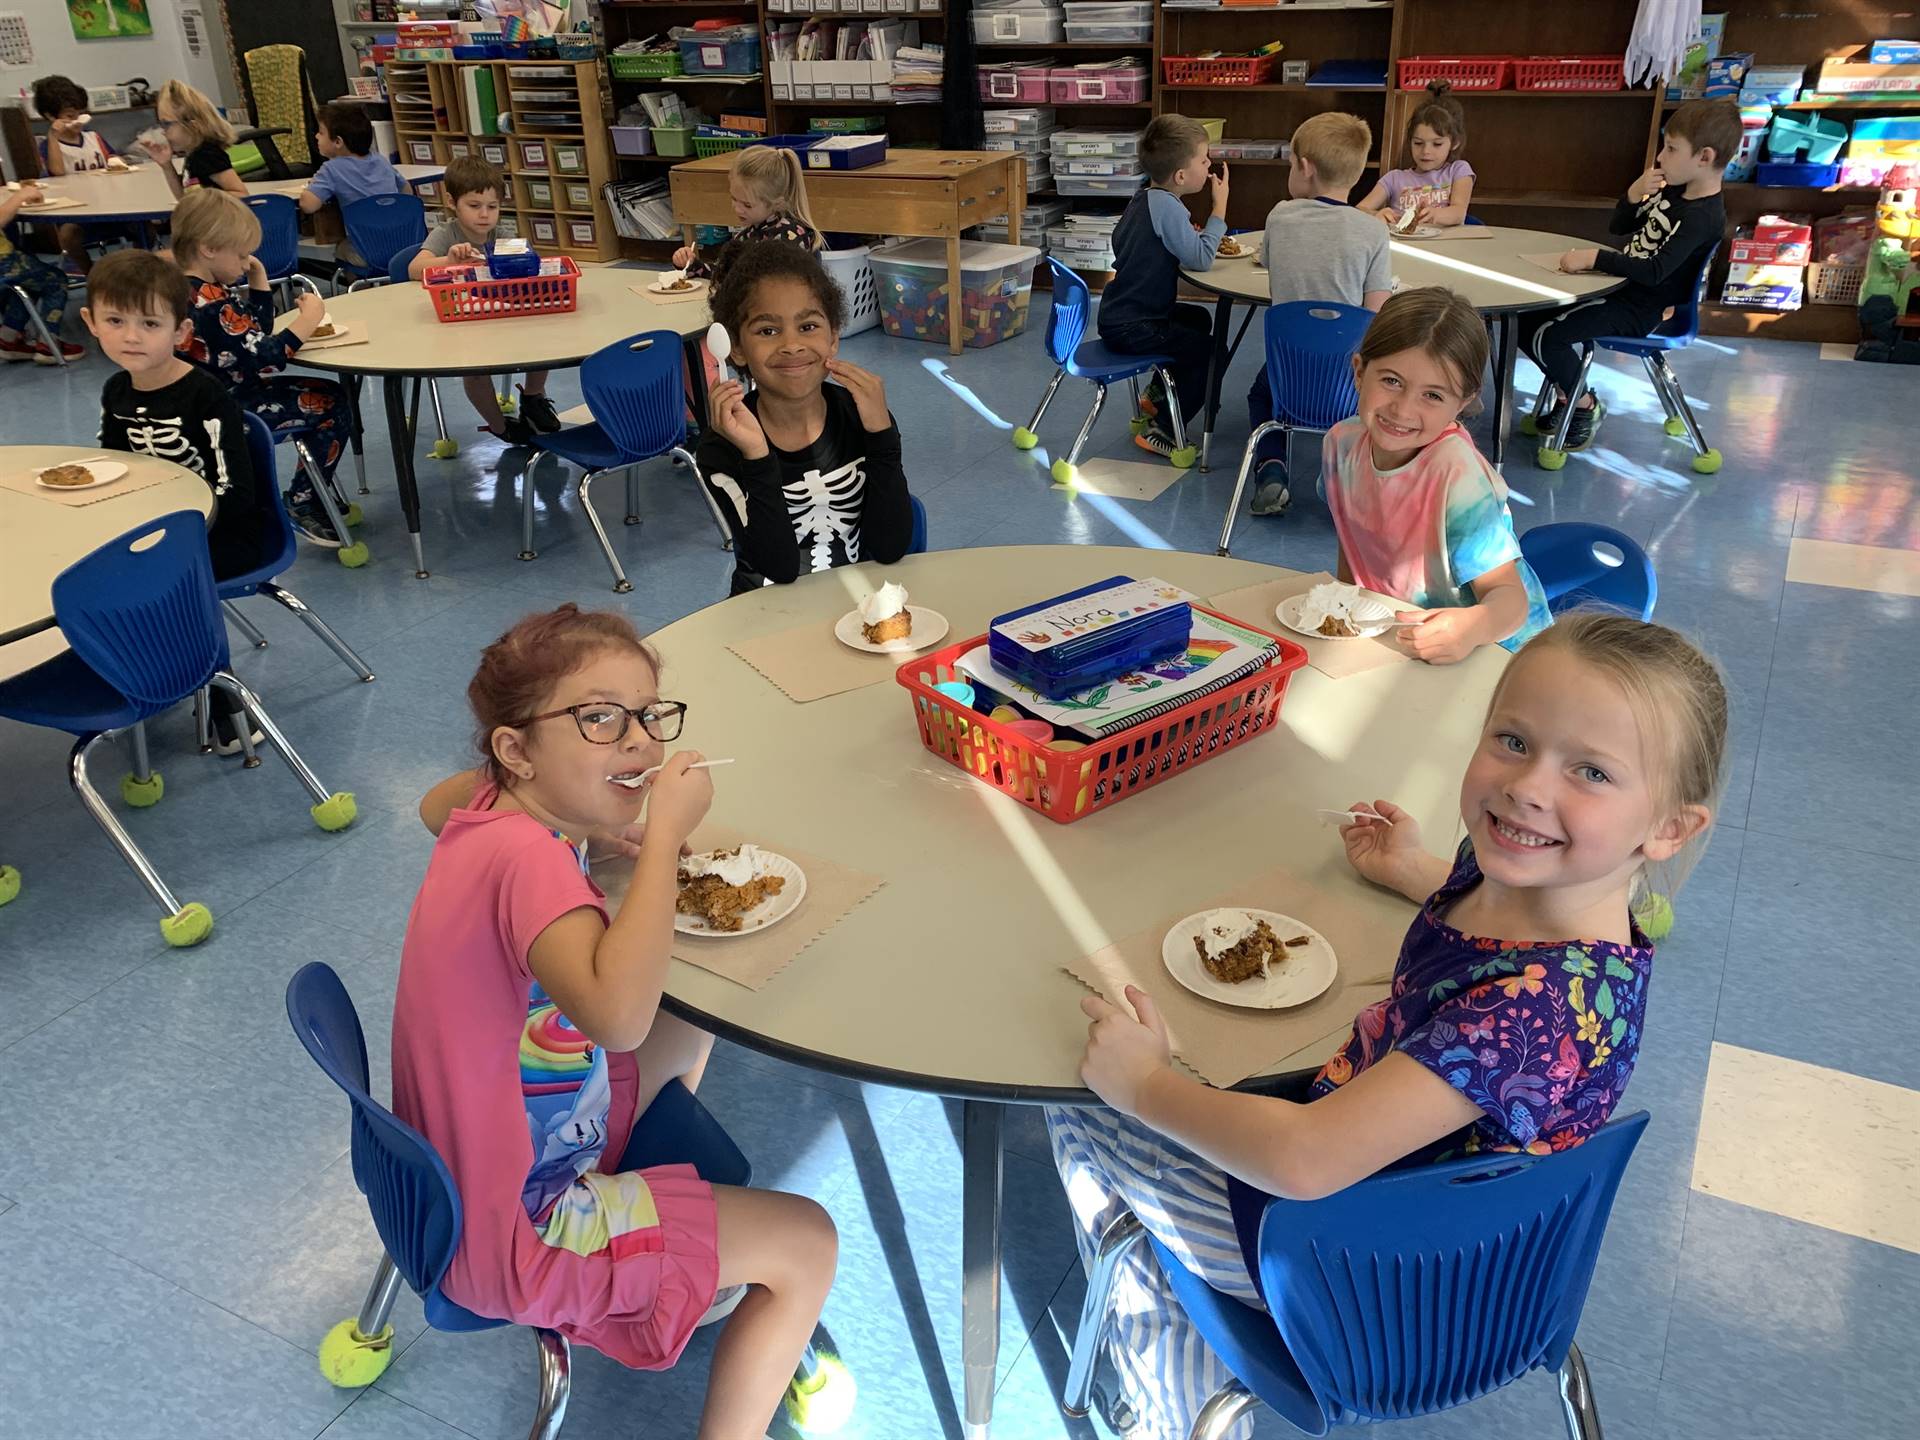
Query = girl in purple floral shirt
x=1516 y=1006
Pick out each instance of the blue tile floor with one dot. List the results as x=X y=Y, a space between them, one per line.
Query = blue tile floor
x=178 y=1223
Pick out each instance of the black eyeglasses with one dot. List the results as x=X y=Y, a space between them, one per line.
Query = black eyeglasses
x=602 y=722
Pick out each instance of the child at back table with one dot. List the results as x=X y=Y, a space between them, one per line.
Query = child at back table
x=1599 y=760
x=71 y=149
x=193 y=130
x=1318 y=247
x=473 y=188
x=352 y=171
x=1420 y=514
x=769 y=194
x=528 y=1038
x=1436 y=184
x=45 y=286
x=1153 y=242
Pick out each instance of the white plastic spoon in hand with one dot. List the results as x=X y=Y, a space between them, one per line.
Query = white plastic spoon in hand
x=1353 y=815
x=719 y=346
x=634 y=782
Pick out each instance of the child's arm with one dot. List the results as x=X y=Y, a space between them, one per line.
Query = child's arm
x=1379 y=281
x=1193 y=250
x=453 y=793
x=1447 y=636
x=1697 y=232
x=739 y=466
x=1299 y=1152
x=53 y=160
x=1376 y=200
x=318 y=191
x=886 y=514
x=14 y=199
x=1454 y=212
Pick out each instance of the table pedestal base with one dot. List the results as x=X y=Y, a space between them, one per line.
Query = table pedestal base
x=980 y=1156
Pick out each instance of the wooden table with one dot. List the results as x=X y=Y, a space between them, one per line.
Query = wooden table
x=949 y=979
x=911 y=192
x=141 y=193
x=1488 y=272
x=406 y=340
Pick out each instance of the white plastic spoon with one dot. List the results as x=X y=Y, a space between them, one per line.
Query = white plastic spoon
x=720 y=346
x=634 y=782
x=1352 y=815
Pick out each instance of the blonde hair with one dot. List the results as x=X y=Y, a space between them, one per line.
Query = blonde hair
x=1678 y=698
x=1435 y=320
x=1336 y=145
x=194 y=113
x=210 y=219
x=774 y=176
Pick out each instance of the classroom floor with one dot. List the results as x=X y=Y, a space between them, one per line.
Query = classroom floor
x=178 y=1223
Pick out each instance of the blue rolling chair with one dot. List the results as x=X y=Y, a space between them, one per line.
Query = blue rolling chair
x=1676 y=332
x=918 y=545
x=1310 y=347
x=416 y=1209
x=143 y=621
x=379 y=226
x=1412 y=1292
x=634 y=390
x=1581 y=565
x=279 y=251
x=1091 y=360
x=277 y=558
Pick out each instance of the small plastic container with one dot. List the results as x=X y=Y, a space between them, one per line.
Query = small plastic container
x=458 y=293
x=1033 y=24
x=1463 y=72
x=1806 y=176
x=1093 y=187
x=1124 y=627
x=653 y=65
x=1113 y=12
x=1248 y=150
x=1065 y=240
x=1099 y=84
x=1083 y=165
x=1025 y=144
x=996 y=290
x=1222 y=70
x=727 y=53
x=674 y=140
x=632 y=139
x=1024 y=81
x=1811 y=137
x=1108 y=144
x=710 y=140
x=1036 y=121
x=1106 y=32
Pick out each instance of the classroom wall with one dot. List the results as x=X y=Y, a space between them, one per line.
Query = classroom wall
x=159 y=57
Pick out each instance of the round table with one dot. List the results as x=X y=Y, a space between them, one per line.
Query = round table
x=1487 y=269
x=949 y=978
x=141 y=193
x=40 y=537
x=407 y=340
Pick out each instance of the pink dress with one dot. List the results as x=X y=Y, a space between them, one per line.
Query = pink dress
x=530 y=1115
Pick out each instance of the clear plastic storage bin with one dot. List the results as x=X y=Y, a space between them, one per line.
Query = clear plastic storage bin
x=1027 y=24
x=1115 y=144
x=1081 y=165
x=1024 y=81
x=1036 y=121
x=1116 y=187
x=1025 y=144
x=1097 y=84
x=996 y=287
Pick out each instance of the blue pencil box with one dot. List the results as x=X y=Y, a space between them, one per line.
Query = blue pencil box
x=1076 y=641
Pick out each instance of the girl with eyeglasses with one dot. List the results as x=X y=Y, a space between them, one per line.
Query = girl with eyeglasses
x=527 y=1034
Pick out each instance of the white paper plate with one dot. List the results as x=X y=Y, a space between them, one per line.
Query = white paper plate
x=105 y=472
x=694 y=287
x=1304 y=975
x=1250 y=250
x=1419 y=232
x=1369 y=616
x=929 y=629
x=768 y=912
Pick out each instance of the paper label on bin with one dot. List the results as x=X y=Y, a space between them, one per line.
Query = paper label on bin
x=713 y=57
x=1042 y=629
x=1088 y=147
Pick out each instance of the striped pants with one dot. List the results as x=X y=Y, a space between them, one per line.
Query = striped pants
x=1109 y=1163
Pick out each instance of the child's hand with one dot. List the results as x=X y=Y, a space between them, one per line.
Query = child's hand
x=684 y=257
x=869 y=393
x=679 y=798
x=1123 y=1053
x=158 y=150
x=309 y=311
x=1439 y=637
x=1651 y=183
x=621 y=844
x=1220 y=185
x=1391 y=216
x=257 y=277
x=727 y=408
x=1578 y=262
x=465 y=254
x=1379 y=849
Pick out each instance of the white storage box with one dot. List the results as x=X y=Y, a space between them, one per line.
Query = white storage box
x=1023 y=24
x=1114 y=144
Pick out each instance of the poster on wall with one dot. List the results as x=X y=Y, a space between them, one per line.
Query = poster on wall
x=108 y=19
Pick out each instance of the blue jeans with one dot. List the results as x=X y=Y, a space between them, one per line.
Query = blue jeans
x=1185 y=337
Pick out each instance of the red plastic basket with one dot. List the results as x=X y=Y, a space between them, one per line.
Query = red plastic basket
x=1463 y=72
x=1222 y=70
x=456 y=295
x=1066 y=785
x=1570 y=72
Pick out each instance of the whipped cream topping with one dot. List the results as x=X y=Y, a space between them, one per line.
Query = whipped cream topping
x=885 y=603
x=1331 y=598
x=1224 y=929
x=733 y=867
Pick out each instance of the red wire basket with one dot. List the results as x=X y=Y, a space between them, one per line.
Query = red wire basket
x=1570 y=72
x=457 y=295
x=1068 y=784
x=1463 y=72
x=1222 y=70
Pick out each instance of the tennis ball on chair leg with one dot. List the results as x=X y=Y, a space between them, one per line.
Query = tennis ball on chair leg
x=139 y=794
x=190 y=926
x=352 y=1360
x=9 y=884
x=353 y=556
x=1024 y=439
x=822 y=1402
x=445 y=448
x=1676 y=427
x=354 y=514
x=1065 y=474
x=1547 y=458
x=1708 y=463
x=336 y=812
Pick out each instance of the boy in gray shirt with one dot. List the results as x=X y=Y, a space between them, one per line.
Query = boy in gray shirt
x=1318 y=248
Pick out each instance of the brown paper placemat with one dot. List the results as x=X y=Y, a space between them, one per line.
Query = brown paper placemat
x=1255 y=605
x=679 y=297
x=752 y=960
x=1224 y=1044
x=1452 y=232
x=808 y=663
x=52 y=202
x=138 y=477
x=1547 y=261
x=352 y=333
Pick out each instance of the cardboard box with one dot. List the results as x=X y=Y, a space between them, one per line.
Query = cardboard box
x=1784 y=230
x=1765 y=287
x=1772 y=84
x=1894 y=52
x=1690 y=82
x=1727 y=73
x=1852 y=73
x=1745 y=250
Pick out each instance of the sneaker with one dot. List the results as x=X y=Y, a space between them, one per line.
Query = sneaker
x=1151 y=400
x=310 y=520
x=1155 y=439
x=226 y=736
x=538 y=411
x=514 y=431
x=15 y=350
x=725 y=1302
x=68 y=351
x=1548 y=425
x=1270 y=493
x=1586 y=424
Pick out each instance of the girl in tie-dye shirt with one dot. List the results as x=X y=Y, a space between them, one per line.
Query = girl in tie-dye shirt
x=1420 y=514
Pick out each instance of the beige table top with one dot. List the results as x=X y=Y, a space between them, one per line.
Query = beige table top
x=40 y=538
x=1489 y=273
x=142 y=192
x=949 y=978
x=406 y=338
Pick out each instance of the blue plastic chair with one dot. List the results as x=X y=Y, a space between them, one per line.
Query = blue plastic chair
x=1581 y=565
x=635 y=392
x=1412 y=1292
x=279 y=252
x=1676 y=332
x=276 y=558
x=1310 y=348
x=1074 y=354
x=918 y=544
x=379 y=226
x=416 y=1208
x=145 y=632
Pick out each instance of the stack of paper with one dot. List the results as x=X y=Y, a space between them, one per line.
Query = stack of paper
x=917 y=72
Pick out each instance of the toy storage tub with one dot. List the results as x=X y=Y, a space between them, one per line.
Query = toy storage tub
x=1021 y=80
x=1019 y=25
x=1830 y=283
x=1094 y=187
x=675 y=140
x=1025 y=144
x=656 y=66
x=1081 y=85
x=1463 y=72
x=1106 y=144
x=1068 y=785
x=1037 y=121
x=996 y=284
x=632 y=139
x=724 y=55
x=854 y=276
x=1568 y=74
x=1821 y=140
x=708 y=141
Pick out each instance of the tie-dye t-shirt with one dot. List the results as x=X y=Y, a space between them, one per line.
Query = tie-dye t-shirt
x=1432 y=188
x=1426 y=531
x=1541 y=1035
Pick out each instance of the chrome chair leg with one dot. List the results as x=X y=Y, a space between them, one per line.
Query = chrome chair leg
x=556 y=1383
x=1173 y=406
x=621 y=585
x=633 y=495
x=323 y=492
x=318 y=626
x=377 y=1308
x=1086 y=428
x=237 y=688
x=439 y=415
x=1699 y=441
x=203 y=719
x=1133 y=394
x=142 y=761
x=1121 y=1235
x=1659 y=383
x=103 y=817
x=245 y=626
x=1230 y=1404
x=1573 y=402
x=685 y=457
x=1543 y=402
x=359 y=432
x=1577 y=1406
x=47 y=337
x=1260 y=432
x=1046 y=399
x=527 y=552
